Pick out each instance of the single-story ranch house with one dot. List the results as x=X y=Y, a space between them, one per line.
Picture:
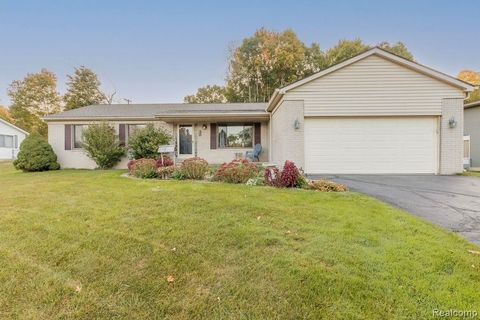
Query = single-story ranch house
x=374 y=113
x=10 y=139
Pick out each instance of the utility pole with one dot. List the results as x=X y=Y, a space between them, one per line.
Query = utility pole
x=127 y=100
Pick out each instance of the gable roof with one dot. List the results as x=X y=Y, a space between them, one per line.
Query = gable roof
x=13 y=126
x=465 y=86
x=152 y=111
x=472 y=105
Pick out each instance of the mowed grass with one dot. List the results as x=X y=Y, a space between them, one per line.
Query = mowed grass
x=472 y=173
x=78 y=244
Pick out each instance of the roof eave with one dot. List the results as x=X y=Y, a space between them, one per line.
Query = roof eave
x=213 y=116
x=14 y=126
x=276 y=97
x=100 y=118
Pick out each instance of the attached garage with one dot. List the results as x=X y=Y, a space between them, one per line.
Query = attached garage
x=371 y=145
x=375 y=113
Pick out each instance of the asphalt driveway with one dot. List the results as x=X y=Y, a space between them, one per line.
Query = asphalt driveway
x=452 y=202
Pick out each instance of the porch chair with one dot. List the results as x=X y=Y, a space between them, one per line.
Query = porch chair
x=255 y=153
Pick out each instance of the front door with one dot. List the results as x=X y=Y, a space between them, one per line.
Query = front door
x=185 y=140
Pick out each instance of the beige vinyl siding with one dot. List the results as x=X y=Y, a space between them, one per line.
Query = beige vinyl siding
x=373 y=86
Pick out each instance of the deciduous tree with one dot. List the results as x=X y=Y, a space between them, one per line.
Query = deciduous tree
x=399 y=48
x=344 y=50
x=5 y=115
x=33 y=98
x=83 y=89
x=269 y=60
x=472 y=77
x=266 y=61
x=208 y=94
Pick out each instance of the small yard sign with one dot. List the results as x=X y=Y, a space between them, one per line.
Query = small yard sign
x=166 y=148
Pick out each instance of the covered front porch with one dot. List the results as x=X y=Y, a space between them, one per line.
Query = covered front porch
x=219 y=137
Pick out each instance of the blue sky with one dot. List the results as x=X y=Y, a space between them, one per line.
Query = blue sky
x=152 y=51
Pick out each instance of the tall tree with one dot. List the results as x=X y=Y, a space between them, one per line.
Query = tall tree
x=5 y=115
x=266 y=61
x=399 y=48
x=344 y=50
x=472 y=77
x=208 y=94
x=32 y=98
x=83 y=89
x=269 y=60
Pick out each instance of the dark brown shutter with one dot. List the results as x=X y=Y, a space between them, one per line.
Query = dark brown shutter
x=68 y=137
x=213 y=136
x=121 y=134
x=258 y=133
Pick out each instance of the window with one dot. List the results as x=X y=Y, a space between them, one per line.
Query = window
x=133 y=127
x=6 y=141
x=235 y=135
x=77 y=136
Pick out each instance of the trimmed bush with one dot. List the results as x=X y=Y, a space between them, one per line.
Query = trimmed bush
x=144 y=142
x=177 y=174
x=327 y=186
x=165 y=172
x=102 y=146
x=194 y=168
x=36 y=155
x=236 y=171
x=287 y=178
x=144 y=168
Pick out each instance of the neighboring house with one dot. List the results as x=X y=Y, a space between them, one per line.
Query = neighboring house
x=10 y=139
x=374 y=113
x=472 y=129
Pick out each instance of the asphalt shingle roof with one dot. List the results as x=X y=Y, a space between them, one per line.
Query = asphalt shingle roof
x=150 y=110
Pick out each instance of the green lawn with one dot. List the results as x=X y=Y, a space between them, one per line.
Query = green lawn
x=472 y=173
x=78 y=244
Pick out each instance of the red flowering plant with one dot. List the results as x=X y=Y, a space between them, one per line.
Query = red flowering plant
x=194 y=168
x=236 y=171
x=165 y=162
x=287 y=178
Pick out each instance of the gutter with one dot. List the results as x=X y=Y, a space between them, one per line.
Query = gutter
x=47 y=119
x=277 y=95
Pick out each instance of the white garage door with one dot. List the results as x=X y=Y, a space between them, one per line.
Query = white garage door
x=371 y=145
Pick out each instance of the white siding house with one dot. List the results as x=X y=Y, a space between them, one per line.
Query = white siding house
x=375 y=113
x=10 y=139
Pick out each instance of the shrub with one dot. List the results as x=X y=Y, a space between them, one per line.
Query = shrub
x=144 y=142
x=131 y=166
x=194 y=168
x=165 y=172
x=102 y=146
x=177 y=174
x=287 y=178
x=36 y=155
x=144 y=168
x=301 y=182
x=236 y=171
x=167 y=162
x=327 y=186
